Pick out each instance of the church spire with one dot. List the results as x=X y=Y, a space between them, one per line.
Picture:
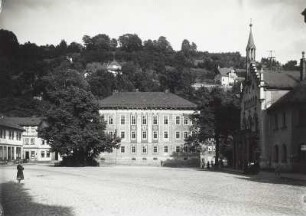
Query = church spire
x=251 y=44
x=251 y=48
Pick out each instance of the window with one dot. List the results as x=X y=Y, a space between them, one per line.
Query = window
x=122 y=149
x=122 y=120
x=42 y=154
x=177 y=120
x=185 y=135
x=166 y=121
x=133 y=135
x=155 y=150
x=26 y=141
x=185 y=120
x=133 y=149
x=165 y=149
x=2 y=133
x=102 y=118
x=276 y=154
x=302 y=117
x=144 y=120
x=18 y=136
x=122 y=136
x=284 y=158
x=133 y=121
x=166 y=135
x=155 y=136
x=177 y=135
x=177 y=149
x=48 y=154
x=144 y=149
x=111 y=134
x=110 y=120
x=275 y=122
x=284 y=120
x=43 y=142
x=11 y=134
x=32 y=141
x=155 y=120
x=144 y=135
x=32 y=154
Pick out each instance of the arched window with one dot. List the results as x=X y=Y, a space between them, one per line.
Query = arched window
x=284 y=157
x=276 y=153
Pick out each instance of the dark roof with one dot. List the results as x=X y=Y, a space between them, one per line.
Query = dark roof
x=145 y=100
x=224 y=71
x=9 y=124
x=294 y=97
x=281 y=79
x=25 y=121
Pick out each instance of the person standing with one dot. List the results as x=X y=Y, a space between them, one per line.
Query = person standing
x=20 y=175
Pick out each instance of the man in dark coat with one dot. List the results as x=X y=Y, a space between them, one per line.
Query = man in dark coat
x=20 y=175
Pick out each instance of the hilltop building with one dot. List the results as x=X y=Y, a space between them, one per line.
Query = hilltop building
x=261 y=90
x=151 y=125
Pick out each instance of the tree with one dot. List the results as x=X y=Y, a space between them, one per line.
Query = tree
x=218 y=117
x=130 y=42
x=74 y=127
x=291 y=65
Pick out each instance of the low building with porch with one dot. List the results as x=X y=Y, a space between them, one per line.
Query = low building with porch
x=10 y=141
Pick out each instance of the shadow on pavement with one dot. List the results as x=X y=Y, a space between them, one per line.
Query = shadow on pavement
x=273 y=180
x=262 y=177
x=16 y=200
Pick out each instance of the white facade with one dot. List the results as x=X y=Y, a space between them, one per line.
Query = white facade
x=10 y=143
x=34 y=148
x=147 y=136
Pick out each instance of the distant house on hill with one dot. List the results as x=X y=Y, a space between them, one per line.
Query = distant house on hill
x=226 y=77
x=114 y=67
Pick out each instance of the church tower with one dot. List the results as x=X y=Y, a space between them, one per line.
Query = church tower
x=250 y=51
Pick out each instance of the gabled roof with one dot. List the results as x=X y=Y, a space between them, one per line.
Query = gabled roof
x=25 y=121
x=145 y=100
x=281 y=79
x=9 y=124
x=296 y=96
x=224 y=71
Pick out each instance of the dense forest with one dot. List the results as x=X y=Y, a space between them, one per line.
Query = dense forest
x=150 y=65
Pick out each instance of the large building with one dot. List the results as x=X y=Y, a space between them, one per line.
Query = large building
x=261 y=90
x=151 y=125
x=10 y=141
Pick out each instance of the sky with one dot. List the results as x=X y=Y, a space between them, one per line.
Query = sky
x=214 y=25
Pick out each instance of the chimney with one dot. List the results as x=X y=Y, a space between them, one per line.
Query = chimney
x=303 y=67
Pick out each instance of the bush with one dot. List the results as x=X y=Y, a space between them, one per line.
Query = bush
x=191 y=162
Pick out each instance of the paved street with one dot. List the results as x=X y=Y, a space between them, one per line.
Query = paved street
x=146 y=191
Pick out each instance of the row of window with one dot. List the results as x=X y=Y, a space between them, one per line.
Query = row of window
x=279 y=120
x=144 y=149
x=144 y=120
x=155 y=135
x=31 y=141
x=12 y=134
x=30 y=129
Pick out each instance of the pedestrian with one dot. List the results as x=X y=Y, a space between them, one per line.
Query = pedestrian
x=277 y=170
x=20 y=175
x=208 y=165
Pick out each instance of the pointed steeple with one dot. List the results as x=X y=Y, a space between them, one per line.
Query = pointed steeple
x=251 y=44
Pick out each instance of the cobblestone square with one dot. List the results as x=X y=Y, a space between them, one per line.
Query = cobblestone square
x=124 y=190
